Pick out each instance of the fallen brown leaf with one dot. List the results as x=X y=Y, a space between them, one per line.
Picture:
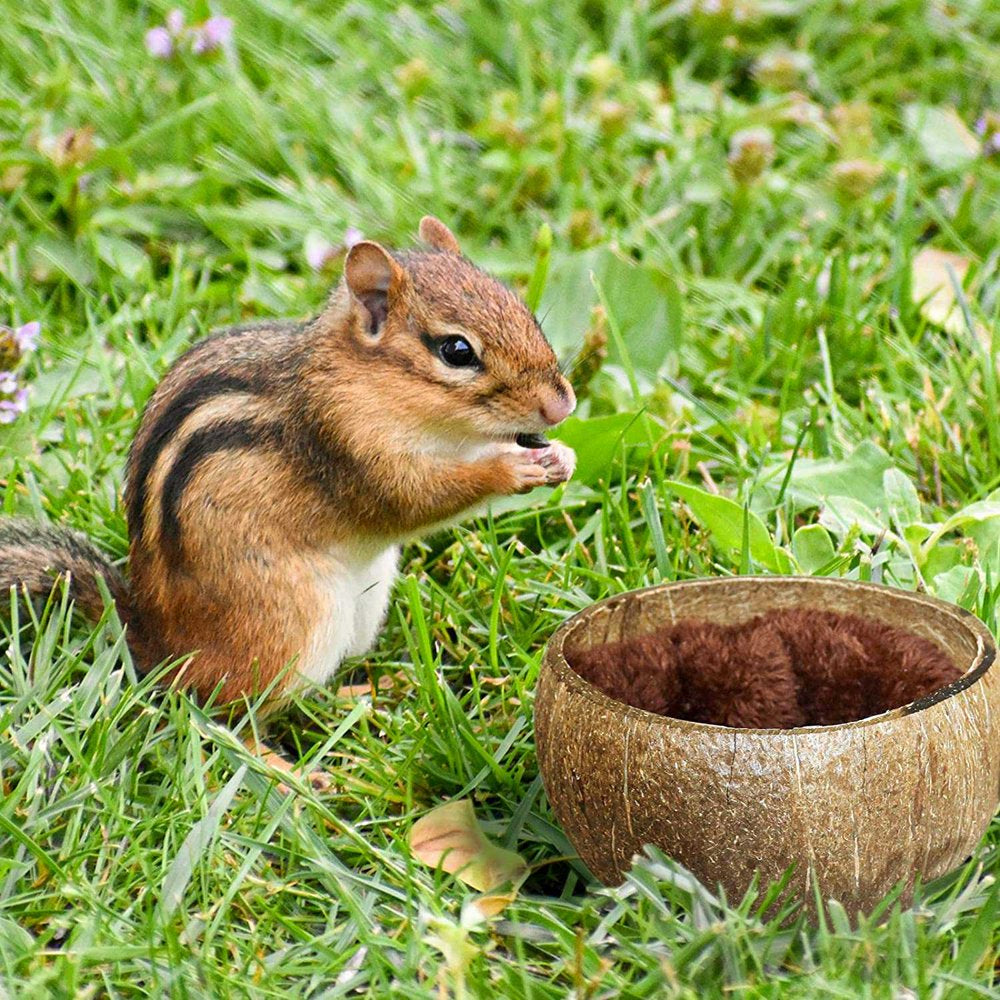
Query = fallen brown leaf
x=934 y=291
x=450 y=836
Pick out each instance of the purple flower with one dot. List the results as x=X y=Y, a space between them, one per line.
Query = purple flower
x=175 y=22
x=318 y=251
x=987 y=127
x=212 y=35
x=163 y=41
x=8 y=383
x=159 y=44
x=11 y=408
x=26 y=337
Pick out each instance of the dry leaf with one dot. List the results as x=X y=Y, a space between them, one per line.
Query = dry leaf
x=934 y=291
x=480 y=908
x=944 y=138
x=450 y=836
x=74 y=147
x=385 y=682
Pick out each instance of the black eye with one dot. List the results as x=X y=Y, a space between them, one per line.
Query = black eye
x=457 y=352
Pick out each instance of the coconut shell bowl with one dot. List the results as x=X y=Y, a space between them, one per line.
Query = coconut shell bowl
x=856 y=807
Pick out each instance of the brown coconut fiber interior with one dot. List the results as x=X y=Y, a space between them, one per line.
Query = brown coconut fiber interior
x=784 y=668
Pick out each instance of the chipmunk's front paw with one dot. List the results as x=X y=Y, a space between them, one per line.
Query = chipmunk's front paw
x=558 y=460
x=524 y=469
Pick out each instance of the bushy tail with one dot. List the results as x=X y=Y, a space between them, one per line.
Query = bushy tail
x=34 y=555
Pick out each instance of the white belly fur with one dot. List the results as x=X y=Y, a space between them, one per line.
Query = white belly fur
x=354 y=590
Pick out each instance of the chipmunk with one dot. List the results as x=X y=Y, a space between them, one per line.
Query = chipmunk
x=278 y=467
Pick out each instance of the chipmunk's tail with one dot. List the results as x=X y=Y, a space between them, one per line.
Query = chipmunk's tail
x=33 y=556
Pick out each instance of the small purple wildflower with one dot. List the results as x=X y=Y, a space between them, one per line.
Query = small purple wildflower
x=164 y=41
x=175 y=22
x=318 y=251
x=26 y=337
x=159 y=44
x=11 y=408
x=213 y=34
x=15 y=342
x=987 y=127
x=219 y=29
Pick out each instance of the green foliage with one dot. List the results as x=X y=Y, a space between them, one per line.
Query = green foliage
x=745 y=188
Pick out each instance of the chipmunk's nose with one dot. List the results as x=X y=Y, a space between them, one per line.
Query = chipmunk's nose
x=557 y=405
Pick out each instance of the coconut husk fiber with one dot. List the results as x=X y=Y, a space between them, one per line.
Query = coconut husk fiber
x=856 y=807
x=780 y=669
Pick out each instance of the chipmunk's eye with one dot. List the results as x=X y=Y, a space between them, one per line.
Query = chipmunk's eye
x=457 y=352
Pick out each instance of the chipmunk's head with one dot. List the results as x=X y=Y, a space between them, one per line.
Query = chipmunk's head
x=456 y=353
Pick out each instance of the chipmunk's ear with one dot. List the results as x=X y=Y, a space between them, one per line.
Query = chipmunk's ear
x=436 y=234
x=374 y=279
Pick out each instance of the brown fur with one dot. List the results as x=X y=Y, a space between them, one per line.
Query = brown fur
x=782 y=669
x=33 y=556
x=266 y=445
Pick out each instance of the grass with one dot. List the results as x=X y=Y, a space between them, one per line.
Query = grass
x=766 y=345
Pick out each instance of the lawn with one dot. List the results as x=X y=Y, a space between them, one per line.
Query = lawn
x=764 y=235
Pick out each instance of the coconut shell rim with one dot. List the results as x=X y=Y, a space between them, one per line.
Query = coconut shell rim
x=985 y=656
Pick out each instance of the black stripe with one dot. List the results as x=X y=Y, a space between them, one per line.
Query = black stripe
x=168 y=422
x=323 y=461
x=229 y=435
